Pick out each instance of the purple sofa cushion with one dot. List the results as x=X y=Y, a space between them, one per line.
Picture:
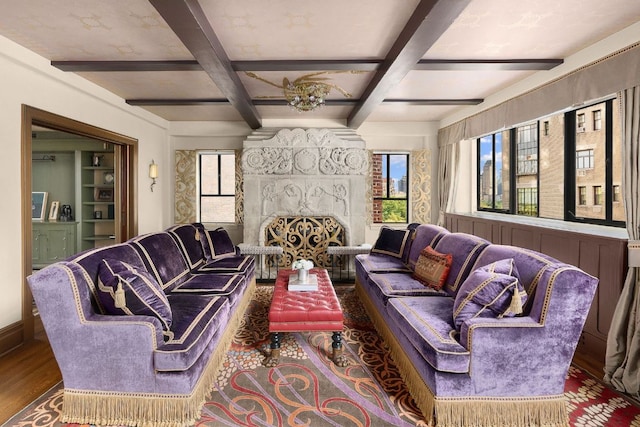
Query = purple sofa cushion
x=489 y=292
x=188 y=237
x=376 y=263
x=465 y=249
x=197 y=320
x=218 y=244
x=427 y=323
x=126 y=290
x=393 y=242
x=239 y=264
x=390 y=285
x=432 y=268
x=227 y=285
x=163 y=258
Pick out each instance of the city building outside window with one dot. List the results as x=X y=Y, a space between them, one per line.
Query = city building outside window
x=494 y=166
x=217 y=187
x=527 y=169
x=390 y=187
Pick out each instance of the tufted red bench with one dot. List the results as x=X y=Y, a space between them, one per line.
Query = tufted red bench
x=305 y=311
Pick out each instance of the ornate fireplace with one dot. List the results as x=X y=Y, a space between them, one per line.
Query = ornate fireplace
x=304 y=190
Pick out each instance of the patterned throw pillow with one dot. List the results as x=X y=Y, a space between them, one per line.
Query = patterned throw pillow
x=432 y=268
x=490 y=291
x=392 y=242
x=217 y=244
x=126 y=290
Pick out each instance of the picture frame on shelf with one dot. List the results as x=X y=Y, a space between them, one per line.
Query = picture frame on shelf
x=108 y=178
x=38 y=205
x=53 y=211
x=103 y=195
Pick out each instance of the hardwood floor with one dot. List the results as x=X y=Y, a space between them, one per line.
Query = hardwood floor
x=26 y=373
x=29 y=371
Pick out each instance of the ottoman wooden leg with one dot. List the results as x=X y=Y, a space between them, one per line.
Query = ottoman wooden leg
x=274 y=357
x=338 y=358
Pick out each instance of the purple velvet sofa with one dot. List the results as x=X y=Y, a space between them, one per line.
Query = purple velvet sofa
x=140 y=328
x=464 y=364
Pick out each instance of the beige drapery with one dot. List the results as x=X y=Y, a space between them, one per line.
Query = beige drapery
x=622 y=361
x=448 y=157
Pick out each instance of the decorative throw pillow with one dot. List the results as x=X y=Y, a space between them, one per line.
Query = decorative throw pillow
x=126 y=290
x=490 y=291
x=432 y=268
x=392 y=242
x=218 y=244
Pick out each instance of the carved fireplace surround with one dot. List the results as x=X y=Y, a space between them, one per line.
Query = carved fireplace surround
x=291 y=174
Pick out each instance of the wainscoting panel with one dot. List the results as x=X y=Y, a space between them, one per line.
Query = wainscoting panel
x=601 y=256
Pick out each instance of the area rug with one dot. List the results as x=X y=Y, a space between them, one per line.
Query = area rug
x=307 y=389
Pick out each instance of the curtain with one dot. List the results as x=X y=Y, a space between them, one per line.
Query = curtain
x=447 y=163
x=185 y=190
x=622 y=360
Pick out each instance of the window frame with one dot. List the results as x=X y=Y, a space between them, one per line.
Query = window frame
x=375 y=198
x=201 y=195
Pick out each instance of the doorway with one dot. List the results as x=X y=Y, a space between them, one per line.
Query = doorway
x=122 y=210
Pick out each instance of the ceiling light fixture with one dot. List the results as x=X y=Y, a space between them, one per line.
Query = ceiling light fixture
x=308 y=92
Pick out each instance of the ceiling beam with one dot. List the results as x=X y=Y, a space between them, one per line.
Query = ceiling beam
x=188 y=21
x=309 y=65
x=429 y=21
x=486 y=64
x=106 y=66
x=146 y=102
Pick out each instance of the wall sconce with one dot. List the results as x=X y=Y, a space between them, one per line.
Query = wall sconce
x=153 y=173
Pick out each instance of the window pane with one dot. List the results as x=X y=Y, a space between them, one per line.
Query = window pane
x=486 y=172
x=394 y=211
x=590 y=165
x=209 y=174
x=503 y=174
x=398 y=176
x=527 y=171
x=551 y=166
x=218 y=209
x=228 y=174
x=618 y=211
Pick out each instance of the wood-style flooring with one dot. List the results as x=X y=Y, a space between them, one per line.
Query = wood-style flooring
x=29 y=371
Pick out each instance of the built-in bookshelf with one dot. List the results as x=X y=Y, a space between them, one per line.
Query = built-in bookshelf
x=98 y=205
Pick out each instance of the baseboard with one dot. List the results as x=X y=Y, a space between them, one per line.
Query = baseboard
x=11 y=337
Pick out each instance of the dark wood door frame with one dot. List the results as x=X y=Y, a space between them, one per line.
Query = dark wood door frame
x=126 y=159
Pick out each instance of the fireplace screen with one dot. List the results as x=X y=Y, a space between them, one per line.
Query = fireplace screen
x=304 y=237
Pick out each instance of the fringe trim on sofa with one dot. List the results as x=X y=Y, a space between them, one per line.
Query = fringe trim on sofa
x=467 y=412
x=149 y=409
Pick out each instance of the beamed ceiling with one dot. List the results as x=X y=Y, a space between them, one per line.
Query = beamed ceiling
x=401 y=60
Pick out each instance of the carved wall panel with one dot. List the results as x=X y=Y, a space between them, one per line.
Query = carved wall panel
x=185 y=186
x=297 y=172
x=420 y=174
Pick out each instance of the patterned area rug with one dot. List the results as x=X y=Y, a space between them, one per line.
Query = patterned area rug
x=306 y=388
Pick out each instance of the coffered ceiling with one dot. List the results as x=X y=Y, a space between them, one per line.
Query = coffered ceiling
x=400 y=60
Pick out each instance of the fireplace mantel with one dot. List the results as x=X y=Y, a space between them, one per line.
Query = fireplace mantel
x=298 y=172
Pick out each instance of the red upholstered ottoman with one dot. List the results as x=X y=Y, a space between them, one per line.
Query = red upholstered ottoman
x=305 y=311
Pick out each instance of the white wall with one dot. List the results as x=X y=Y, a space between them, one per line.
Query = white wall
x=26 y=78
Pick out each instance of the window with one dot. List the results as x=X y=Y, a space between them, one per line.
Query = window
x=617 y=197
x=494 y=167
x=557 y=170
x=597 y=195
x=217 y=186
x=597 y=120
x=390 y=188
x=528 y=201
x=584 y=159
x=598 y=166
x=582 y=195
x=581 y=122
